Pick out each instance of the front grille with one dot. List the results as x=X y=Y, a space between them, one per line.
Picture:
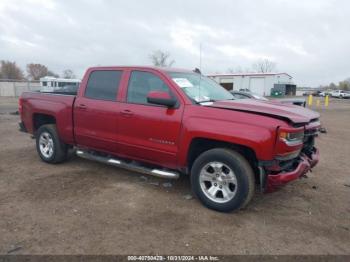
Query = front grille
x=289 y=165
x=309 y=141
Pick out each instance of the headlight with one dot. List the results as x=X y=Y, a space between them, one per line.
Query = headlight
x=291 y=138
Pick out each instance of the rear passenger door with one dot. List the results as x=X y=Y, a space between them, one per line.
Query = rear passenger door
x=96 y=111
x=149 y=132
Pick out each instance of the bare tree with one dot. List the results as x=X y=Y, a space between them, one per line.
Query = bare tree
x=68 y=74
x=264 y=66
x=344 y=85
x=237 y=69
x=161 y=59
x=36 y=71
x=50 y=73
x=10 y=70
x=333 y=86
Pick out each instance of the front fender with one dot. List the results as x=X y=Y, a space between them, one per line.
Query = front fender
x=258 y=138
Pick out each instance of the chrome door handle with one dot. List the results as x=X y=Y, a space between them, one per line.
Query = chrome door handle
x=82 y=106
x=127 y=112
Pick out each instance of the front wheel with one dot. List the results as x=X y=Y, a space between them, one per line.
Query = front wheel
x=49 y=146
x=223 y=180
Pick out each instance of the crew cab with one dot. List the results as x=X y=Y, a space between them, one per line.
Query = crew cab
x=170 y=122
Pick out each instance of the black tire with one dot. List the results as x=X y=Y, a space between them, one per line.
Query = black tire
x=242 y=170
x=60 y=150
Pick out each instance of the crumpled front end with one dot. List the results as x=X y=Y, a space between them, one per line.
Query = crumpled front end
x=282 y=171
x=303 y=165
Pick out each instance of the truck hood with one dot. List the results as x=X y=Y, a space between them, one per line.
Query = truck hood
x=291 y=113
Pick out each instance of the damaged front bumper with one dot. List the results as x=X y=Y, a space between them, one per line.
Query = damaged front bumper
x=305 y=164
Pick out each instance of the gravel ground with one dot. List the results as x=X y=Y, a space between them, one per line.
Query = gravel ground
x=83 y=207
x=8 y=105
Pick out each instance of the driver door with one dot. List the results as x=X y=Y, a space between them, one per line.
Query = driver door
x=149 y=132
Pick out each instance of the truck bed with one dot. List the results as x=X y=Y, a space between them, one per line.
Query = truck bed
x=38 y=104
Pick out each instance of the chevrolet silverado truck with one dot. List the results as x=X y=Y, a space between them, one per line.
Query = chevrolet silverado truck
x=168 y=122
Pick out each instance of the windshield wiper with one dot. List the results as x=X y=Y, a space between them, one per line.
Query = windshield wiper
x=215 y=100
x=206 y=101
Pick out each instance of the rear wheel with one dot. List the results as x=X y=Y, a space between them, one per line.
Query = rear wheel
x=48 y=145
x=222 y=179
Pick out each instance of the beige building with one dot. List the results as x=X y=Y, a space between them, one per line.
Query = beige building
x=259 y=83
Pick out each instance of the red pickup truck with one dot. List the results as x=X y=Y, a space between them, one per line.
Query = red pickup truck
x=167 y=122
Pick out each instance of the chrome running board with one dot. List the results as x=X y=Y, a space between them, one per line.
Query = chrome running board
x=137 y=168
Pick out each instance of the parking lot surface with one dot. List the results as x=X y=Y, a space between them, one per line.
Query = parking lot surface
x=83 y=207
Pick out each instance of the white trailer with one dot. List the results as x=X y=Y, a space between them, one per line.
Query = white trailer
x=52 y=84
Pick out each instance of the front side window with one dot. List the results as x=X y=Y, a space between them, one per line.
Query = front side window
x=103 y=85
x=141 y=83
x=200 y=88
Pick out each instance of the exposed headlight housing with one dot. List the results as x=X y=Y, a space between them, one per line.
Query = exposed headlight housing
x=292 y=138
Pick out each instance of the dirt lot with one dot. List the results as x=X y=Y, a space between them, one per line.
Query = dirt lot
x=83 y=207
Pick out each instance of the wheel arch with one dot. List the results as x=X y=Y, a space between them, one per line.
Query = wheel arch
x=40 y=119
x=199 y=145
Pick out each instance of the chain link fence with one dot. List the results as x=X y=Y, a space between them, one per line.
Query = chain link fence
x=14 y=88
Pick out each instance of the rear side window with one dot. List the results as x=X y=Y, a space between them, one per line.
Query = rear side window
x=103 y=85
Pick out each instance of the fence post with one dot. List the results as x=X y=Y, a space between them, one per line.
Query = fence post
x=14 y=89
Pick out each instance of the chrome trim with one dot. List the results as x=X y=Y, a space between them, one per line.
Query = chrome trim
x=113 y=161
x=170 y=174
x=289 y=156
x=162 y=173
x=293 y=142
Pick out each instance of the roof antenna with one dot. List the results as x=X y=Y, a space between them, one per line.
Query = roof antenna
x=199 y=70
x=200 y=56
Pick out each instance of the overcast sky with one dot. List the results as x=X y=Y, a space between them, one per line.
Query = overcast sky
x=309 y=39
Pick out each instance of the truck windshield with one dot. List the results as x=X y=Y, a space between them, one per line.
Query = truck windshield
x=200 y=88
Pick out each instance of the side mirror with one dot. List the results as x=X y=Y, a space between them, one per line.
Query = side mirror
x=161 y=98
